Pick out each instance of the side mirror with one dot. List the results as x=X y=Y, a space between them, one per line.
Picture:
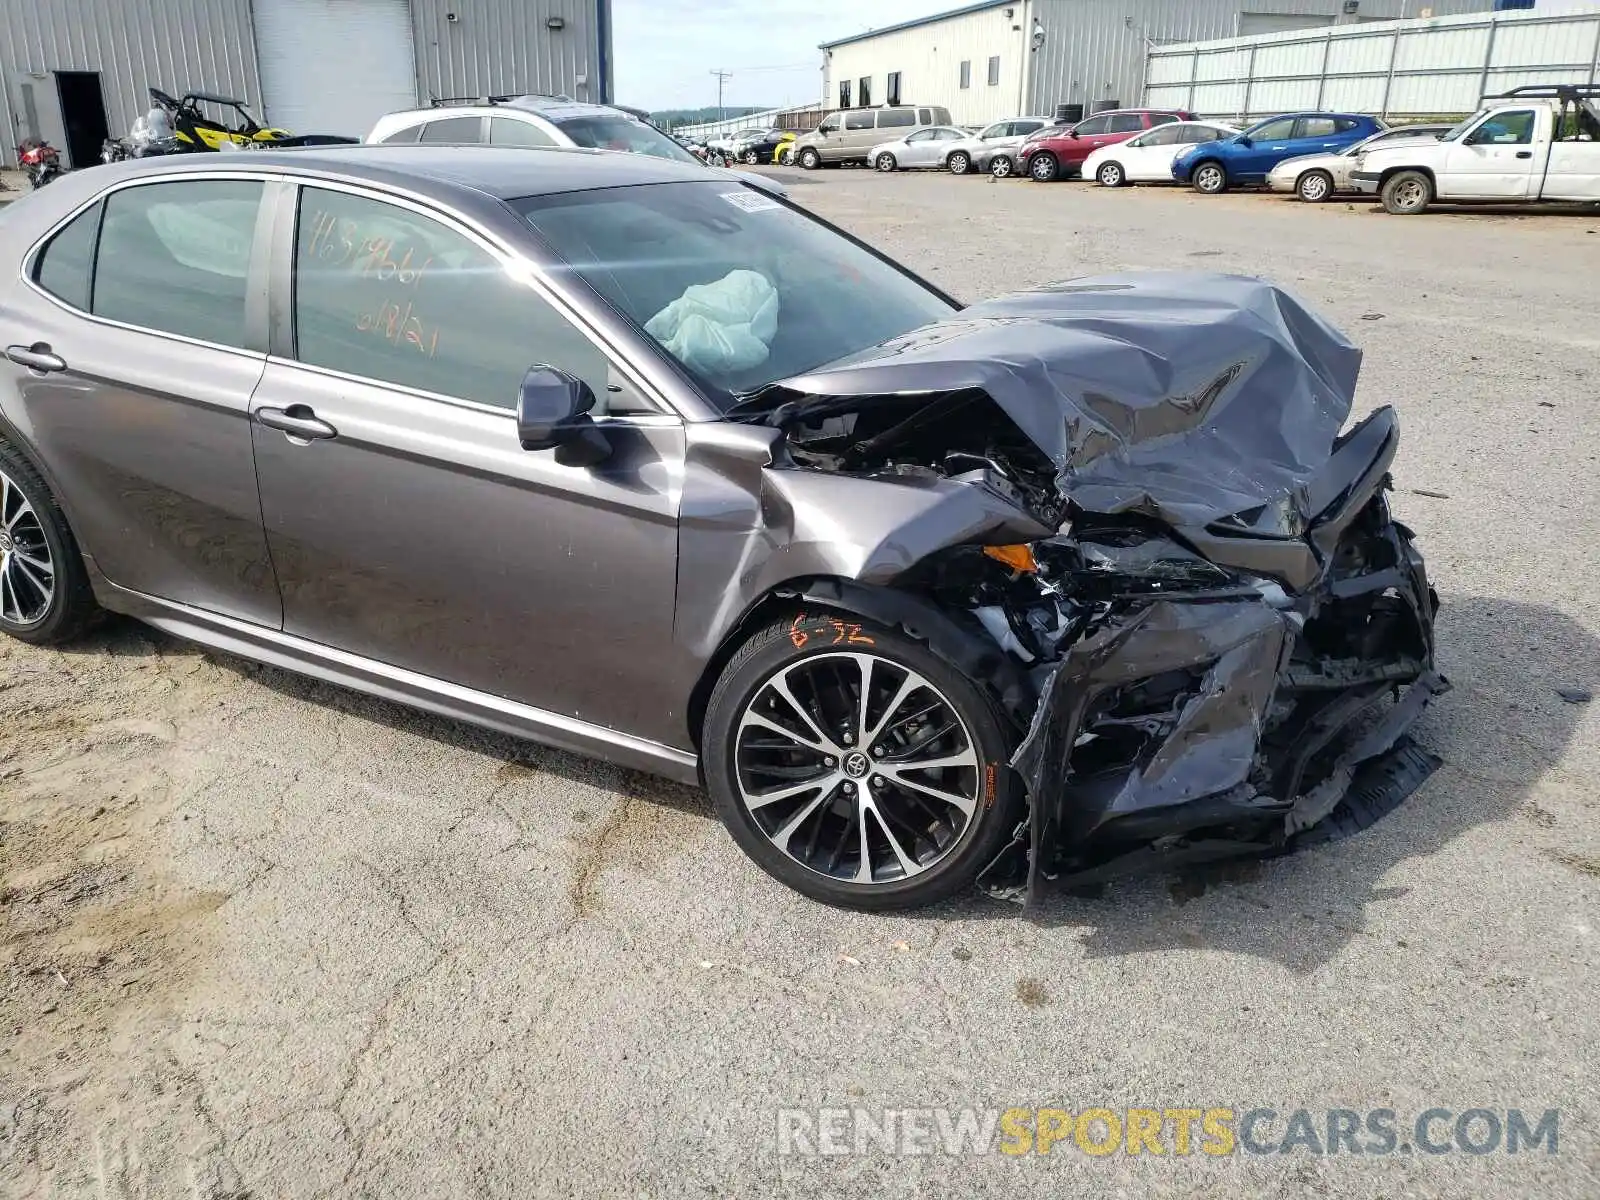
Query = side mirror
x=1072 y=133
x=553 y=414
x=1243 y=140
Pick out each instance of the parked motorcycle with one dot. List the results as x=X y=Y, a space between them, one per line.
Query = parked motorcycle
x=151 y=136
x=41 y=161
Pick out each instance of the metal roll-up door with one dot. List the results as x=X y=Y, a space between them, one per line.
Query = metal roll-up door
x=334 y=66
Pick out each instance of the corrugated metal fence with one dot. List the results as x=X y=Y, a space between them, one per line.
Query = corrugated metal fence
x=807 y=116
x=1394 y=69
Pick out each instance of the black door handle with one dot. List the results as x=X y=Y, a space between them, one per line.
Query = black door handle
x=298 y=420
x=37 y=357
x=1524 y=153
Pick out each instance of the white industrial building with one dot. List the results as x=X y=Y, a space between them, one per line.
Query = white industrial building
x=1007 y=57
x=73 y=71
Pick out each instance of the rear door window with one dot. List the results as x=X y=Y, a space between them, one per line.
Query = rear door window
x=1022 y=128
x=404 y=136
x=860 y=120
x=1195 y=134
x=454 y=131
x=65 y=267
x=176 y=257
x=1126 y=123
x=508 y=131
x=1163 y=118
x=1316 y=127
x=897 y=118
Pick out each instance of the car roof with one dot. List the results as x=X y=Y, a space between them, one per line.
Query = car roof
x=504 y=172
x=1317 y=112
x=554 y=108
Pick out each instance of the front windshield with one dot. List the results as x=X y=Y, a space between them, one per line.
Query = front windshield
x=618 y=132
x=1456 y=134
x=740 y=288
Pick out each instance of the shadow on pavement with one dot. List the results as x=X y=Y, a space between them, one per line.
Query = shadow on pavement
x=1498 y=733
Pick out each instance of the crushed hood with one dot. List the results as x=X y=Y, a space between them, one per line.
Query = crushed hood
x=1186 y=397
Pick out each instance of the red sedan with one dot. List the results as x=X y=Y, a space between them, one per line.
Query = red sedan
x=1058 y=151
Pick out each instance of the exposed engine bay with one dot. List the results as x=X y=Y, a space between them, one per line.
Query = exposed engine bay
x=1226 y=636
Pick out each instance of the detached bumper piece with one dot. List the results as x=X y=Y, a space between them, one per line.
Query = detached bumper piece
x=1187 y=729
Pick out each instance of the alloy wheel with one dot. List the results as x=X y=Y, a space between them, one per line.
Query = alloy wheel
x=886 y=162
x=1001 y=167
x=1209 y=178
x=27 y=570
x=960 y=163
x=1111 y=175
x=857 y=768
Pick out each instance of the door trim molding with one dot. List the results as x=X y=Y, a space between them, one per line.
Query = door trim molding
x=414 y=690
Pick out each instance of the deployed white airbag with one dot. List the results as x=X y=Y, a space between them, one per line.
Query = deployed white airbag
x=720 y=327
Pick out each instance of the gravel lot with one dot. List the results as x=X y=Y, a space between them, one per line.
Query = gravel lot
x=263 y=937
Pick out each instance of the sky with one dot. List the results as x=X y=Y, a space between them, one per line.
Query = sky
x=665 y=50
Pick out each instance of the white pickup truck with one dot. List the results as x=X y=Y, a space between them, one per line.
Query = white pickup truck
x=1531 y=145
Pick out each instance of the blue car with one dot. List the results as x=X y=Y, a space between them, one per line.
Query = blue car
x=1248 y=157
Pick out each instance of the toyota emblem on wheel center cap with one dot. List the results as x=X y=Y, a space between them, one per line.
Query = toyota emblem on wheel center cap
x=856 y=765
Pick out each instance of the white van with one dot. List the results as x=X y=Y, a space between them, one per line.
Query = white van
x=850 y=135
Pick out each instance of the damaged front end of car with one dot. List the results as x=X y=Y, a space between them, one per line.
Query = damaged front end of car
x=1226 y=637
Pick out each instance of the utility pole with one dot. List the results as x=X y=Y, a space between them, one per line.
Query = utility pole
x=722 y=78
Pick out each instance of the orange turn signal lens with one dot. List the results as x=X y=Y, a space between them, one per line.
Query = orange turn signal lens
x=1018 y=558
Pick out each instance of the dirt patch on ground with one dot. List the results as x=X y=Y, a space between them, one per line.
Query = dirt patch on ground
x=97 y=941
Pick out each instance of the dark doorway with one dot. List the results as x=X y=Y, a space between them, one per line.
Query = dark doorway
x=83 y=113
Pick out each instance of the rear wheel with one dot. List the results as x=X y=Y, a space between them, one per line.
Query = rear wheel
x=885 y=162
x=1002 y=167
x=1111 y=175
x=810 y=159
x=1210 y=179
x=959 y=163
x=44 y=589
x=1044 y=167
x=1314 y=186
x=1407 y=193
x=856 y=766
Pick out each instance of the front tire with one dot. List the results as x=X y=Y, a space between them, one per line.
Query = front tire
x=885 y=162
x=1111 y=175
x=959 y=163
x=751 y=158
x=1210 y=179
x=1002 y=167
x=1407 y=193
x=1044 y=167
x=1314 y=187
x=892 y=802
x=45 y=597
x=810 y=159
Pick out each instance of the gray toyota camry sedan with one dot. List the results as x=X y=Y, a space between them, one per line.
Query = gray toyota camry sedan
x=598 y=451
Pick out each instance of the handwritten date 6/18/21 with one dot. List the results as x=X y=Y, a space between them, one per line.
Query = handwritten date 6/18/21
x=399 y=325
